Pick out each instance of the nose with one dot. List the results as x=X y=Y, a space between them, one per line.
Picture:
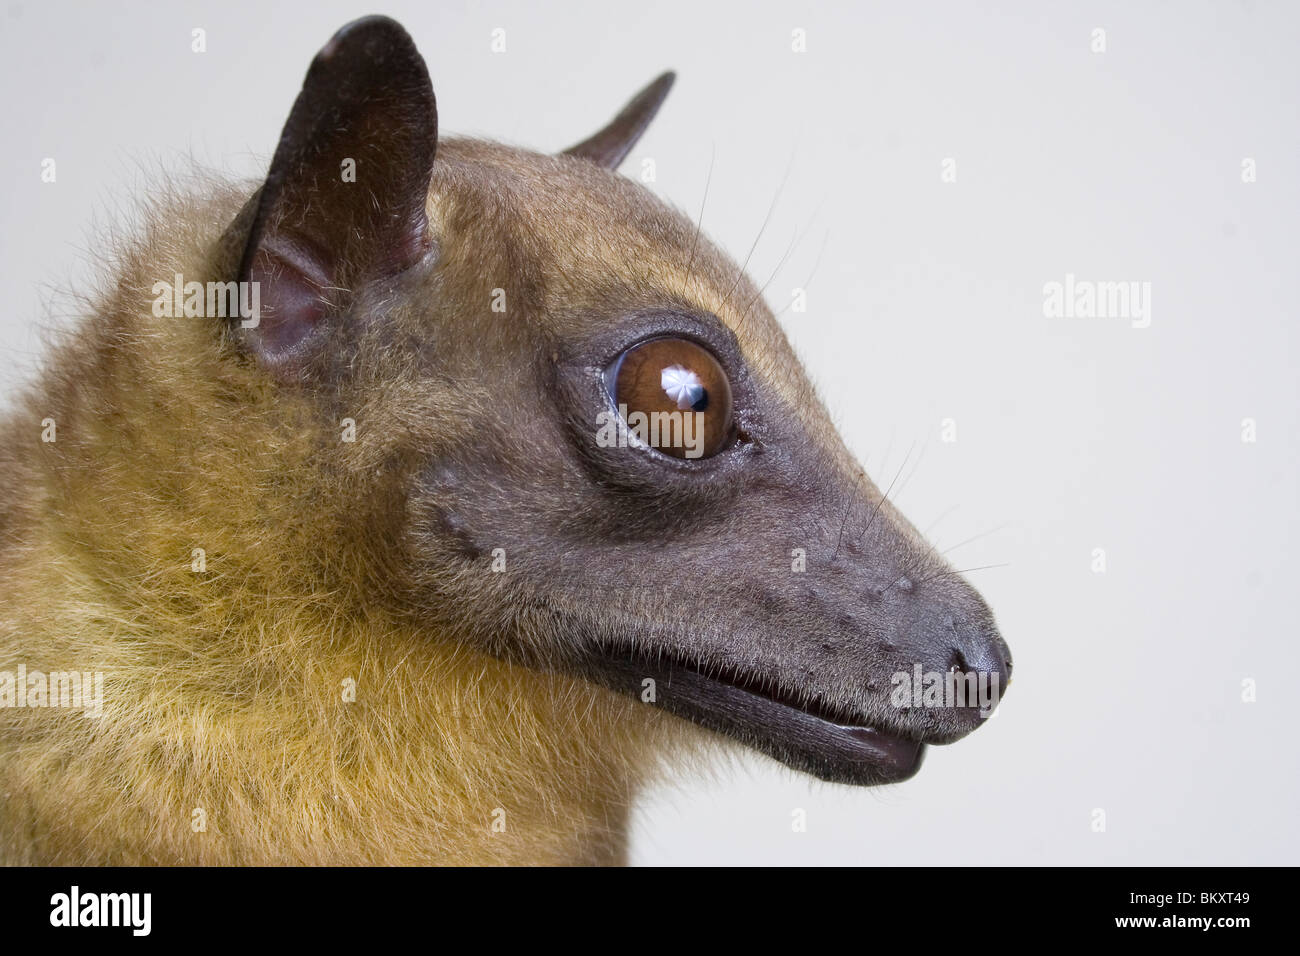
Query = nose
x=981 y=649
x=951 y=629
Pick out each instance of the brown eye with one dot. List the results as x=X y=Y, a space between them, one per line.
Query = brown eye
x=674 y=396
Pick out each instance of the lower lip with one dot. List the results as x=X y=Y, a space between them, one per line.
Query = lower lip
x=839 y=753
x=882 y=750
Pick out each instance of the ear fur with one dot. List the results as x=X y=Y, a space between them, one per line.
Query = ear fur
x=344 y=202
x=610 y=145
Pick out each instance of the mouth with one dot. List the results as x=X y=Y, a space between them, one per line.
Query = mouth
x=810 y=736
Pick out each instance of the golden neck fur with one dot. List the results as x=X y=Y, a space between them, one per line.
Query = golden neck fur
x=226 y=735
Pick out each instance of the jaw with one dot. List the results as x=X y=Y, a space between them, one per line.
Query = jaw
x=806 y=736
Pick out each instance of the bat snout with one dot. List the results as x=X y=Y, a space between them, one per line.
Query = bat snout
x=949 y=664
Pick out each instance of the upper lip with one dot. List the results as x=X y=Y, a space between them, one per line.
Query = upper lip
x=809 y=735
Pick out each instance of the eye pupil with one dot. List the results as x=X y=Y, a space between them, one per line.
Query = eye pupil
x=674 y=396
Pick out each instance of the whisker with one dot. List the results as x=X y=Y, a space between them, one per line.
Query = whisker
x=903 y=487
x=948 y=572
x=798 y=235
x=740 y=274
x=932 y=548
x=811 y=275
x=982 y=534
x=847 y=508
x=699 y=222
x=982 y=567
x=889 y=449
x=789 y=249
x=885 y=497
x=935 y=523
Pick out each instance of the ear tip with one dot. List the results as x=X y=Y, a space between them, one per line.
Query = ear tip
x=368 y=35
x=662 y=84
x=369 y=53
x=375 y=23
x=613 y=142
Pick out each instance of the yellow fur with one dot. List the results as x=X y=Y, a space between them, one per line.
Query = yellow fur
x=224 y=688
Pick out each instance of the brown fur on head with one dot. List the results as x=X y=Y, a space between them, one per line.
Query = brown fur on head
x=475 y=563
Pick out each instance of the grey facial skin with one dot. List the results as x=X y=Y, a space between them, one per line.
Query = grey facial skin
x=625 y=565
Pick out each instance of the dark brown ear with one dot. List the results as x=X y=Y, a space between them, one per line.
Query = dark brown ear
x=609 y=146
x=344 y=202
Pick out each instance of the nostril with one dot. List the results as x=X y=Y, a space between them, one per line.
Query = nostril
x=988 y=653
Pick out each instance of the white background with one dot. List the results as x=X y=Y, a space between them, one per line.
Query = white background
x=925 y=303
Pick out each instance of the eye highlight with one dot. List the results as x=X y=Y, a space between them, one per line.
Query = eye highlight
x=674 y=395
